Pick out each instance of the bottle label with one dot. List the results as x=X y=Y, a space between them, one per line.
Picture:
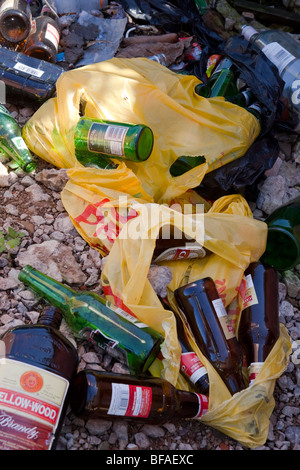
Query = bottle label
x=278 y=55
x=119 y=311
x=250 y=296
x=52 y=35
x=130 y=400
x=31 y=401
x=253 y=371
x=223 y=318
x=181 y=252
x=107 y=139
x=203 y=405
x=29 y=70
x=191 y=366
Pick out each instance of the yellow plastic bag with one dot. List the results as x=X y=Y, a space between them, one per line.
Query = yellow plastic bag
x=235 y=239
x=142 y=91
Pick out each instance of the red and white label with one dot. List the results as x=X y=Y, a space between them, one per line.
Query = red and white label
x=173 y=254
x=250 y=296
x=191 y=366
x=52 y=35
x=130 y=400
x=203 y=405
x=253 y=370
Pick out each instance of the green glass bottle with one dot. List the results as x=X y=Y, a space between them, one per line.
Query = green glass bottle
x=12 y=142
x=243 y=99
x=283 y=240
x=224 y=74
x=185 y=163
x=93 y=318
x=96 y=141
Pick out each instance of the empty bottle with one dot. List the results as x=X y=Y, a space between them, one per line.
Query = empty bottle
x=140 y=398
x=191 y=367
x=283 y=240
x=95 y=139
x=37 y=366
x=258 y=328
x=284 y=52
x=243 y=99
x=27 y=80
x=208 y=321
x=227 y=84
x=91 y=317
x=43 y=39
x=185 y=163
x=15 y=20
x=12 y=142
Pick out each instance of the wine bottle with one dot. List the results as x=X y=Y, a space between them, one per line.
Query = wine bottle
x=93 y=318
x=207 y=318
x=283 y=239
x=37 y=365
x=284 y=52
x=134 y=398
x=95 y=139
x=43 y=39
x=258 y=328
x=12 y=142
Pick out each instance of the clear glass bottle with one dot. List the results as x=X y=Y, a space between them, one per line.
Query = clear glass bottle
x=37 y=365
x=208 y=321
x=134 y=398
x=95 y=139
x=43 y=39
x=15 y=20
x=93 y=318
x=284 y=52
x=12 y=142
x=258 y=328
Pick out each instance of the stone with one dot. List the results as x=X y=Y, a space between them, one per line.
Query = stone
x=55 y=260
x=53 y=179
x=36 y=193
x=142 y=440
x=98 y=426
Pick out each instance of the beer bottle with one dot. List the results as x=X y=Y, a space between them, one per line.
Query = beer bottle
x=191 y=367
x=12 y=142
x=37 y=365
x=43 y=39
x=259 y=322
x=95 y=139
x=15 y=20
x=185 y=163
x=140 y=398
x=224 y=73
x=207 y=318
x=283 y=239
x=243 y=99
x=91 y=317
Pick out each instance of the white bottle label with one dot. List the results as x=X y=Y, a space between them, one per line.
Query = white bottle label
x=52 y=35
x=31 y=401
x=181 y=252
x=192 y=367
x=130 y=400
x=29 y=70
x=250 y=296
x=278 y=55
x=224 y=318
x=19 y=143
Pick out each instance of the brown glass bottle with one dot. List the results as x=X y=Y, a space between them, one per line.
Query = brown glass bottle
x=172 y=244
x=207 y=318
x=115 y=396
x=15 y=20
x=191 y=367
x=43 y=39
x=37 y=366
x=259 y=323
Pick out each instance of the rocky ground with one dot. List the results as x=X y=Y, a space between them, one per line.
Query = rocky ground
x=31 y=204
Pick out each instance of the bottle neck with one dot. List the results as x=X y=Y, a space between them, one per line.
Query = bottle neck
x=191 y=404
x=51 y=316
x=56 y=293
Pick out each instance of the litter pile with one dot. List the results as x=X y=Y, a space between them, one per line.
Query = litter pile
x=149 y=244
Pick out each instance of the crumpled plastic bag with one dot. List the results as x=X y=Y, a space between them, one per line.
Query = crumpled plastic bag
x=139 y=90
x=235 y=239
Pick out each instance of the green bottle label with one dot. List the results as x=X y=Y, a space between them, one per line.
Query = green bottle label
x=107 y=138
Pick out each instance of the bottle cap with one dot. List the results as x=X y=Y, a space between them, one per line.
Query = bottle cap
x=248 y=32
